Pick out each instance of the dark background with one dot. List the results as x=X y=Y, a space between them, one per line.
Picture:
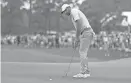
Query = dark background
x=16 y=21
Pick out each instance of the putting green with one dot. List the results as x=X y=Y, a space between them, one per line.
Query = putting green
x=20 y=65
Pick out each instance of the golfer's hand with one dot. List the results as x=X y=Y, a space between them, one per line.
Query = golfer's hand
x=76 y=44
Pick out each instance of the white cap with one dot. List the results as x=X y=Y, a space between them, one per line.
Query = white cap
x=63 y=8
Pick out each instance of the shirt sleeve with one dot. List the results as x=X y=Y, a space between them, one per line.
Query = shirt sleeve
x=75 y=14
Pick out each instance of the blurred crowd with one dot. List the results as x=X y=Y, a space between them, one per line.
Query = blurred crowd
x=43 y=40
x=115 y=40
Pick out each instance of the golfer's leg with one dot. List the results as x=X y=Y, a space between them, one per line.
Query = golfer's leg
x=83 y=51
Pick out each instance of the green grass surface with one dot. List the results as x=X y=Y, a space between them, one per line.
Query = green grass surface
x=21 y=54
x=37 y=65
x=101 y=72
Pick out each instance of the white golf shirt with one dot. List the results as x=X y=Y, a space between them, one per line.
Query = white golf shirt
x=76 y=14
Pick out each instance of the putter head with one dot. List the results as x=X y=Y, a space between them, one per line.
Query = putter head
x=66 y=73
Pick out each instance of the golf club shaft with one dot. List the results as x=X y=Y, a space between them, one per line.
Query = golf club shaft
x=69 y=64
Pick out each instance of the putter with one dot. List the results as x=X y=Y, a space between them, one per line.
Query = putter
x=68 y=69
x=69 y=66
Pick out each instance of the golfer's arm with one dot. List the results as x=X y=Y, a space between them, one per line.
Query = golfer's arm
x=78 y=29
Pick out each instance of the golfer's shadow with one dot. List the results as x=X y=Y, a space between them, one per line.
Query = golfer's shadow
x=103 y=79
x=100 y=78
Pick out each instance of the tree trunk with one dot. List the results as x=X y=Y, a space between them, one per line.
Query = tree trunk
x=58 y=22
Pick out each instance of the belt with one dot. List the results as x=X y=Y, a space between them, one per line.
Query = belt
x=87 y=30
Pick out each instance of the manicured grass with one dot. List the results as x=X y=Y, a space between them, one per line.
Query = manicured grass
x=21 y=54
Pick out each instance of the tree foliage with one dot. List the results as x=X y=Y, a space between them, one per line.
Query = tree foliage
x=26 y=16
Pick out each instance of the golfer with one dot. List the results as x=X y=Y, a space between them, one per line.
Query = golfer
x=84 y=37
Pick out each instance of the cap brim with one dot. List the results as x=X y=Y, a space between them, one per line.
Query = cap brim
x=62 y=12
